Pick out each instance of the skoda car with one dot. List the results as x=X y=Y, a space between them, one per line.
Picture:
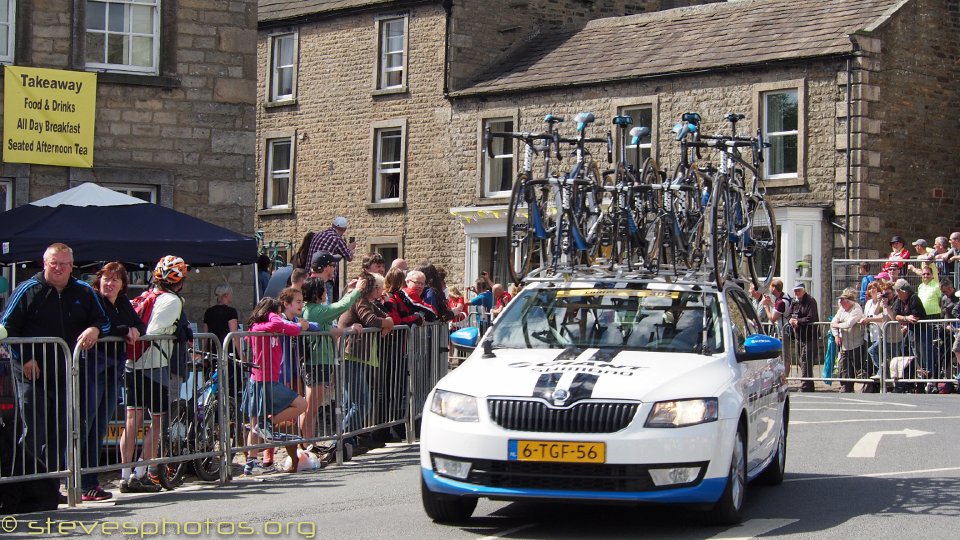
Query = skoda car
x=618 y=390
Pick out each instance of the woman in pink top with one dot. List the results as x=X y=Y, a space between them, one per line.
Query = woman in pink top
x=265 y=397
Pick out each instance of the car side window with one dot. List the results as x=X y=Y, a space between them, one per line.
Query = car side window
x=738 y=321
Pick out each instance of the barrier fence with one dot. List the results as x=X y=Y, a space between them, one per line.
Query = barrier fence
x=899 y=357
x=325 y=388
x=845 y=272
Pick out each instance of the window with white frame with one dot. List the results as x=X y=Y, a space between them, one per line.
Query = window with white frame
x=283 y=67
x=389 y=252
x=498 y=162
x=388 y=167
x=279 y=175
x=145 y=193
x=123 y=35
x=8 y=17
x=781 y=123
x=6 y=195
x=391 y=55
x=642 y=116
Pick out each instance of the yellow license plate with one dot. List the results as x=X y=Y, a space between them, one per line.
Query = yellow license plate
x=557 y=451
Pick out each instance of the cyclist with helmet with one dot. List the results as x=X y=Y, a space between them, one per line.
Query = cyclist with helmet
x=147 y=378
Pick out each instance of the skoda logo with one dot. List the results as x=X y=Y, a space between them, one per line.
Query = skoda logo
x=559 y=396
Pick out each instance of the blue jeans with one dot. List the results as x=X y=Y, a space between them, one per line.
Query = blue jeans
x=43 y=410
x=890 y=349
x=356 y=389
x=98 y=406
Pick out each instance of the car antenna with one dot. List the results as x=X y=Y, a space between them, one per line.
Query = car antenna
x=487 y=345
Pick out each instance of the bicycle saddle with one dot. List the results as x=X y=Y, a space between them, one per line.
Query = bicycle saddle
x=638 y=133
x=733 y=117
x=624 y=120
x=551 y=119
x=583 y=119
x=692 y=117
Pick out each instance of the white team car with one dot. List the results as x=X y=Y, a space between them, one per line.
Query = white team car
x=610 y=389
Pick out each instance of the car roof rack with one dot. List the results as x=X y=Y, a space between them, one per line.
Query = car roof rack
x=665 y=273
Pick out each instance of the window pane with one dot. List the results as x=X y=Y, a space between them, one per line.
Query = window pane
x=116 y=49
x=782 y=111
x=142 y=19
x=96 y=16
x=117 y=21
x=280 y=188
x=783 y=154
x=4 y=12
x=142 y=51
x=390 y=185
x=390 y=147
x=281 y=156
x=4 y=33
x=285 y=82
x=285 y=45
x=94 y=47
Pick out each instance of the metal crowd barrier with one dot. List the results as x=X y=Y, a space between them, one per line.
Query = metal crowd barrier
x=893 y=357
x=41 y=424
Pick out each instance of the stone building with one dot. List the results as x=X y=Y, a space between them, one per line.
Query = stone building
x=175 y=121
x=390 y=99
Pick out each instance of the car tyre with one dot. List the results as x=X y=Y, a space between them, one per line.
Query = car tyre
x=446 y=508
x=775 y=471
x=728 y=510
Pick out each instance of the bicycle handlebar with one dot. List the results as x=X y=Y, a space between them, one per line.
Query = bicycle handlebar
x=525 y=136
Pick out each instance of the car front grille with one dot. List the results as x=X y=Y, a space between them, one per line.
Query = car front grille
x=569 y=476
x=583 y=417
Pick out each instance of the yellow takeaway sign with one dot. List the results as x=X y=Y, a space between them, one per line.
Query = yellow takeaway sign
x=49 y=116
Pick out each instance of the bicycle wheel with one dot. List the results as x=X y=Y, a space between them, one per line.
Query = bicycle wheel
x=177 y=440
x=648 y=202
x=521 y=230
x=208 y=440
x=688 y=207
x=721 y=245
x=590 y=213
x=761 y=244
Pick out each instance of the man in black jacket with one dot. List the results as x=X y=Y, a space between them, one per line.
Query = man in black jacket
x=51 y=304
x=803 y=315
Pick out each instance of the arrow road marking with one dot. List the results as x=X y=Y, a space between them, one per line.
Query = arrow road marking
x=866 y=447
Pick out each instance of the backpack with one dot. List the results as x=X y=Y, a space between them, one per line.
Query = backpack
x=786 y=330
x=143 y=307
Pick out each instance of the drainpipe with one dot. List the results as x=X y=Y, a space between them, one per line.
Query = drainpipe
x=448 y=10
x=846 y=231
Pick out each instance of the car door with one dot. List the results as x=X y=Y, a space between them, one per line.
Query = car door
x=744 y=323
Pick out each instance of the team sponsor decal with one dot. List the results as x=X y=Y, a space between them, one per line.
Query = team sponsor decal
x=573 y=360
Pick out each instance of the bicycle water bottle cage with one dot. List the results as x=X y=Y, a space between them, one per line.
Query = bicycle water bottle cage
x=622 y=120
x=551 y=119
x=692 y=117
x=583 y=119
x=638 y=133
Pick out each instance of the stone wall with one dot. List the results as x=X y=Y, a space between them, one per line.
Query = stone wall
x=189 y=131
x=915 y=61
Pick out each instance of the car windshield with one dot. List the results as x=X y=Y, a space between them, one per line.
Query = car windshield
x=636 y=318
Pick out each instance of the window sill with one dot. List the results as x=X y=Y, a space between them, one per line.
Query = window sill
x=490 y=201
x=389 y=91
x=783 y=182
x=280 y=104
x=162 y=81
x=274 y=211
x=385 y=205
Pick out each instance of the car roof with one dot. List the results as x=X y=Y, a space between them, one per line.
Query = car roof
x=593 y=276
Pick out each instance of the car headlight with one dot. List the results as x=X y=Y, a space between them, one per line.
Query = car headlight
x=454 y=406
x=685 y=412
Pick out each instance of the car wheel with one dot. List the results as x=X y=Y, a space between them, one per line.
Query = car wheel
x=728 y=509
x=775 y=471
x=446 y=508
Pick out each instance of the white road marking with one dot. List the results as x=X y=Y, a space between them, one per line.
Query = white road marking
x=855 y=420
x=841 y=401
x=509 y=531
x=753 y=528
x=792 y=409
x=866 y=447
x=873 y=475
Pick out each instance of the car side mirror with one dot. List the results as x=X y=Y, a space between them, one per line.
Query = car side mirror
x=760 y=347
